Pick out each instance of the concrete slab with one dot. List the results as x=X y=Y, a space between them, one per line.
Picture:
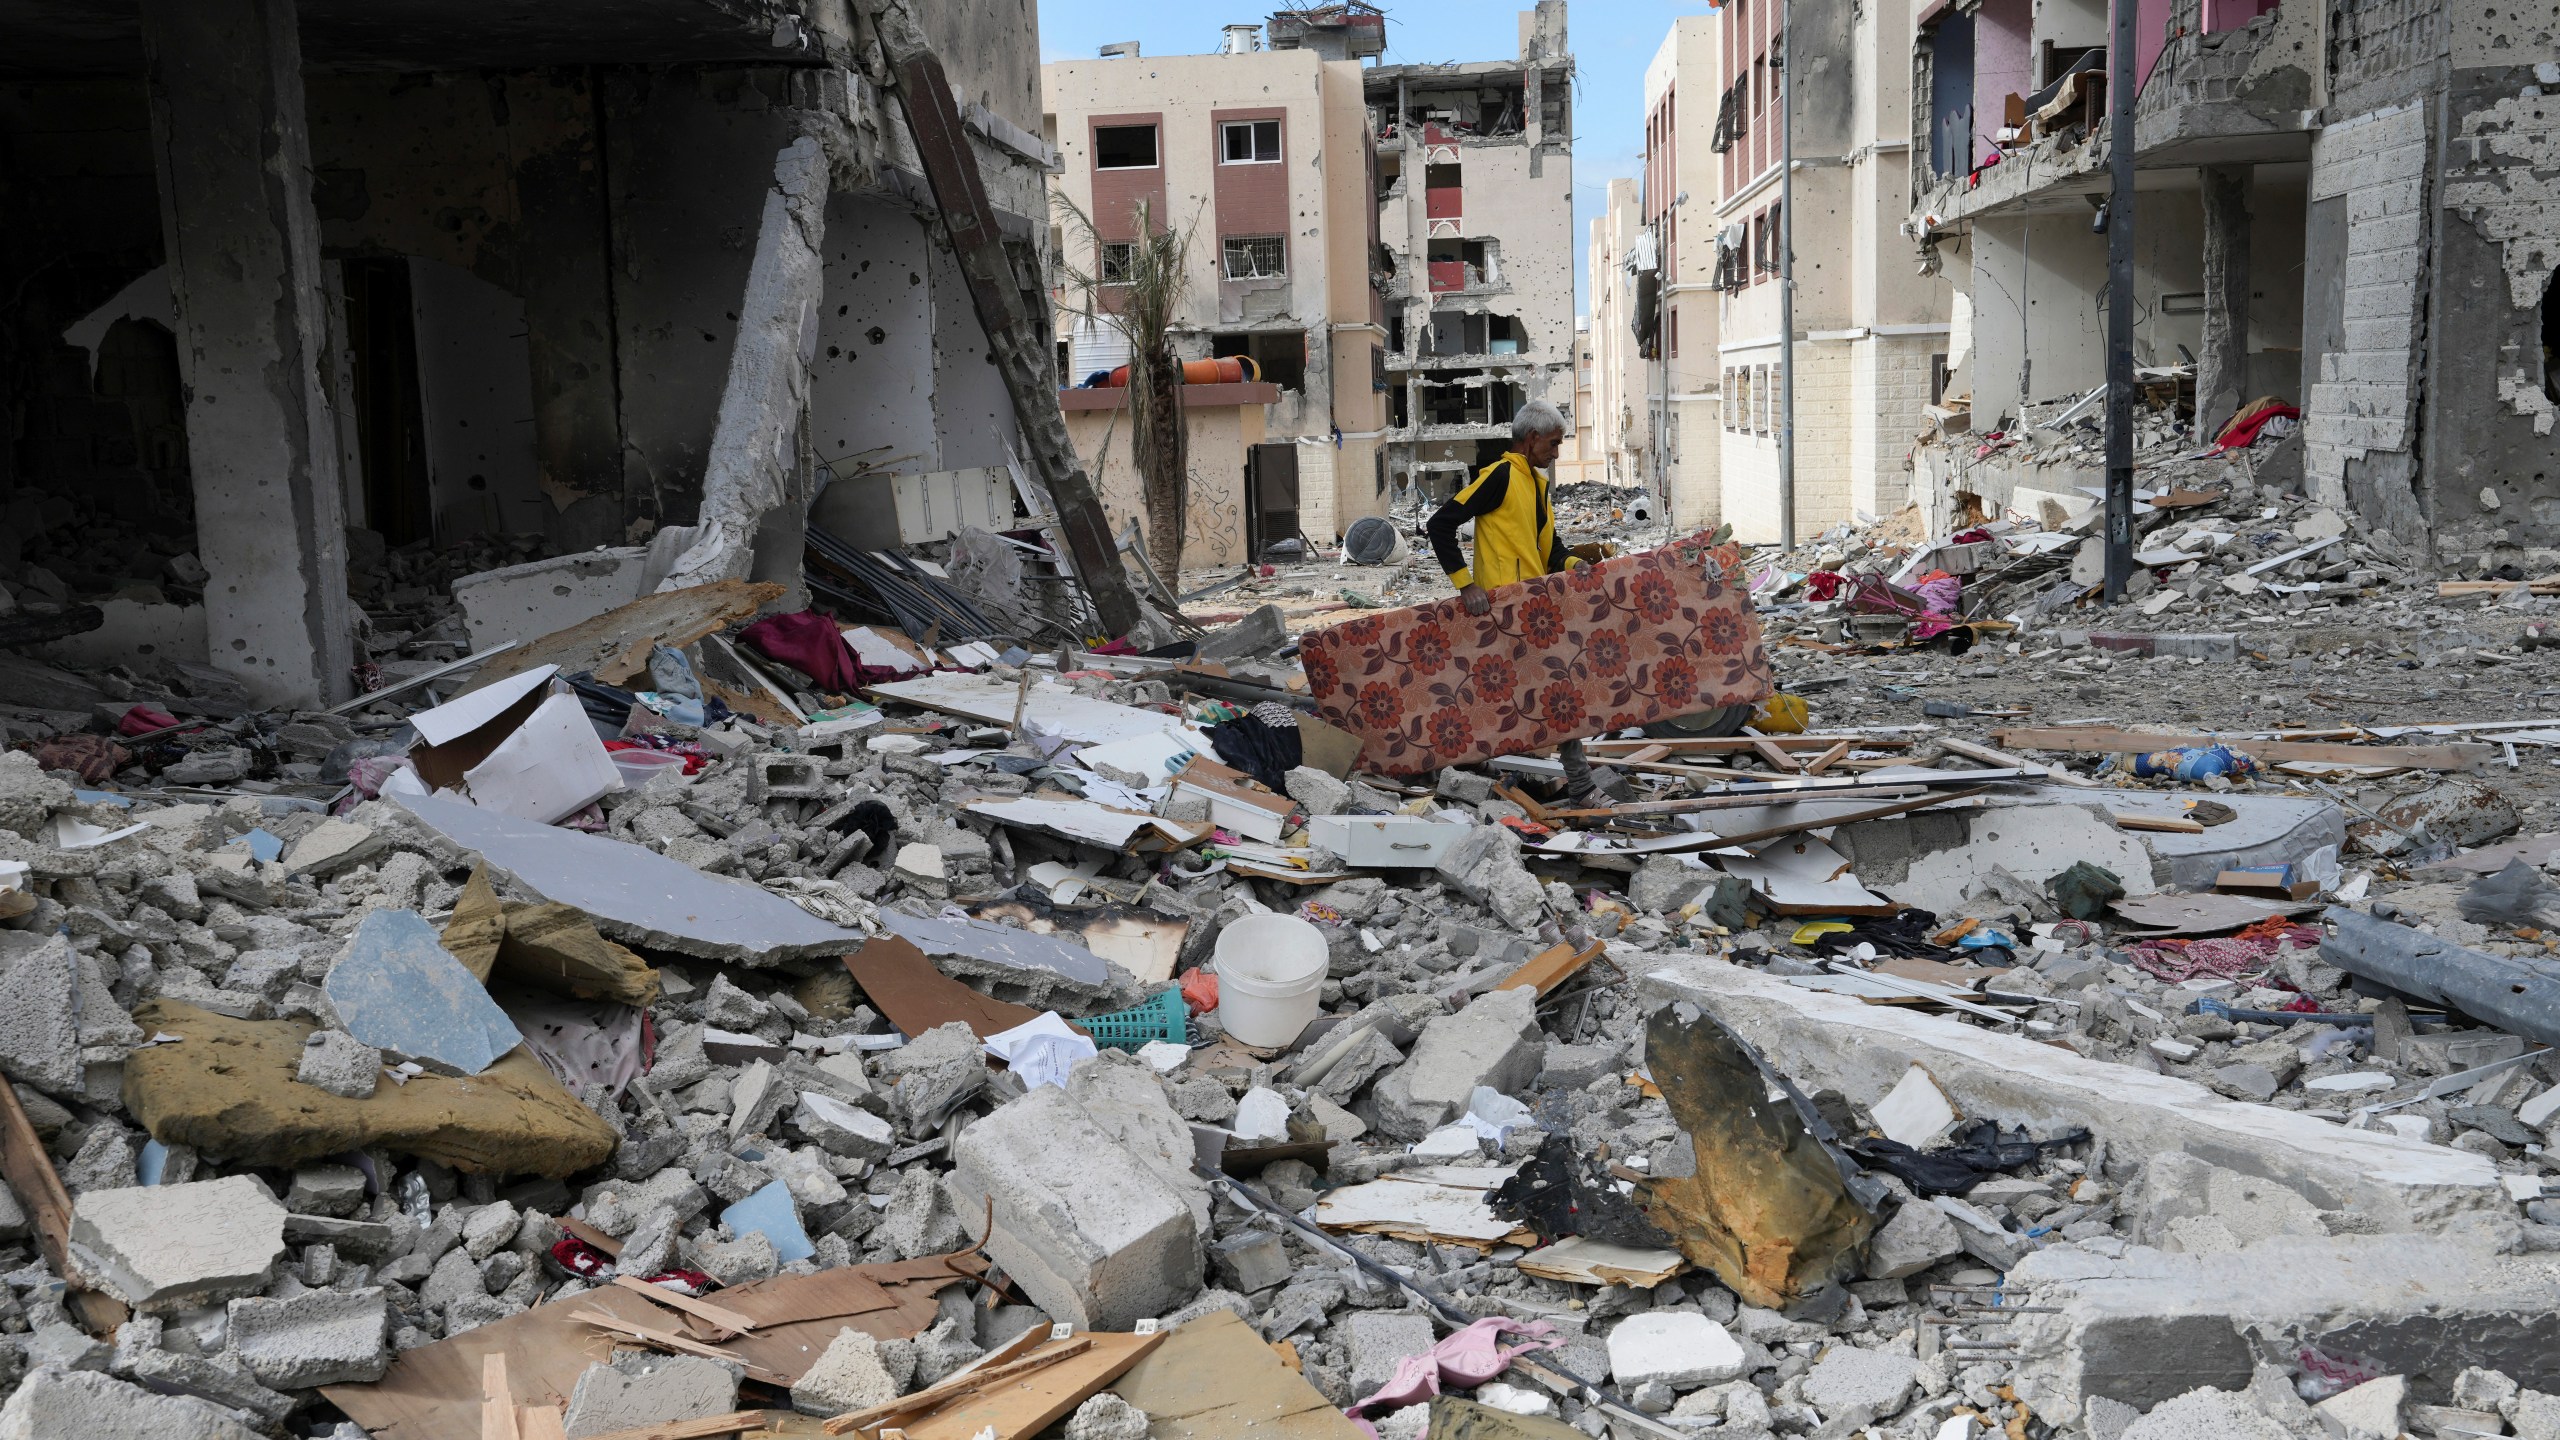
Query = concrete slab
x=54 y=1403
x=2141 y=1325
x=1837 y=1042
x=636 y=894
x=319 y=1337
x=1927 y=859
x=168 y=1247
x=540 y=597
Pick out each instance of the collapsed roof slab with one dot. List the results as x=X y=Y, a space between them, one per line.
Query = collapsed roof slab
x=1837 y=1042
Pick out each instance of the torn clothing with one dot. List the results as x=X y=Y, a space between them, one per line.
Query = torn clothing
x=1515 y=528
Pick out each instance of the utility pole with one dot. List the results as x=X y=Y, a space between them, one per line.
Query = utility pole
x=1786 y=279
x=2120 y=157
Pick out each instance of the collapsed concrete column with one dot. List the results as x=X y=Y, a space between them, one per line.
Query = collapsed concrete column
x=753 y=499
x=233 y=154
x=2222 y=371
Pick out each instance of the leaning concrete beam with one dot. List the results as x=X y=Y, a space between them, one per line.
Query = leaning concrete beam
x=752 y=481
x=1836 y=1042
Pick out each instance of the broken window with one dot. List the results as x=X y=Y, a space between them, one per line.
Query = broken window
x=1249 y=142
x=1124 y=147
x=1279 y=356
x=1255 y=257
x=1119 y=257
x=1378 y=368
x=1733 y=118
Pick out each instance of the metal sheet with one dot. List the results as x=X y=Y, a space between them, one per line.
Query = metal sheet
x=635 y=894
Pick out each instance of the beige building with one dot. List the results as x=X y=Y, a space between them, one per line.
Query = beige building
x=1871 y=336
x=1617 y=418
x=1678 y=317
x=1264 y=157
x=1474 y=202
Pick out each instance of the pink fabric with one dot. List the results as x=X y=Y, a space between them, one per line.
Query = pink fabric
x=1465 y=1360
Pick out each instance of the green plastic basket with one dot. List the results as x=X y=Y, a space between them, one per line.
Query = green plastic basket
x=1163 y=1018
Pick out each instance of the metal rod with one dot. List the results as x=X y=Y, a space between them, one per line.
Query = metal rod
x=2121 y=145
x=1786 y=278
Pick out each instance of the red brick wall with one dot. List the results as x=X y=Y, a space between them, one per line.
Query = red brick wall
x=1116 y=193
x=1250 y=199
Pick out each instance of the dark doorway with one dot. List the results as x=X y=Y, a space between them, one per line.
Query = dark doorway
x=391 y=431
x=2551 y=336
x=1270 y=497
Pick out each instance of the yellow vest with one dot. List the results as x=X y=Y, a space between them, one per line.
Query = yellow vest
x=1512 y=543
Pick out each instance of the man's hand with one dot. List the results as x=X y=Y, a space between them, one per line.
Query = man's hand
x=1475 y=600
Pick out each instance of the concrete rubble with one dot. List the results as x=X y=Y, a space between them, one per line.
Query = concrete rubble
x=333 y=1077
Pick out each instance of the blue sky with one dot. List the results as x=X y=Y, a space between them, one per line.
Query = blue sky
x=1613 y=41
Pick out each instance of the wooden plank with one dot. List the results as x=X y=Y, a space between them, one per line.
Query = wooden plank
x=593 y=1236
x=966 y=1382
x=1653 y=751
x=1988 y=756
x=1776 y=755
x=720 y=1317
x=1528 y=803
x=1889 y=790
x=497 y=1402
x=1828 y=758
x=2098 y=740
x=542 y=1422
x=1215 y=1379
x=31 y=1176
x=669 y=1340
x=1881 y=812
x=702 y=1429
x=2158 y=824
x=1552 y=967
x=1024 y=1406
x=1705 y=744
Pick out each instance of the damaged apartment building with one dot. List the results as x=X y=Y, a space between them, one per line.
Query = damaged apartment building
x=1386 y=248
x=1693 y=258
x=308 y=302
x=1475 y=202
x=2352 y=207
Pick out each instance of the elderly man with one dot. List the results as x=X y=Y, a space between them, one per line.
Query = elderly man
x=1515 y=538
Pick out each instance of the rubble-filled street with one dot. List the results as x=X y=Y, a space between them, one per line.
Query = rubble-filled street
x=738 y=721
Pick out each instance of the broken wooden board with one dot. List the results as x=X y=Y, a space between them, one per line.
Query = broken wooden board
x=1438 y=1204
x=2105 y=740
x=615 y=646
x=916 y=997
x=433 y=1392
x=32 y=1178
x=2157 y=824
x=1552 y=967
x=1020 y=1405
x=1581 y=1260
x=1214 y=1379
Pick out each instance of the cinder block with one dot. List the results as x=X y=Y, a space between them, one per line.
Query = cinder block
x=1079 y=1222
x=319 y=1337
x=785 y=777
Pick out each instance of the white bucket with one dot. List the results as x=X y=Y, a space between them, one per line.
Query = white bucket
x=1270 y=972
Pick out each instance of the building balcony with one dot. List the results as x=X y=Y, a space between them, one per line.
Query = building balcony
x=2214 y=97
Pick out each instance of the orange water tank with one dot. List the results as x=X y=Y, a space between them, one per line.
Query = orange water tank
x=1232 y=370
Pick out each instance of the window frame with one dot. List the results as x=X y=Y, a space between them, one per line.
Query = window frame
x=1227 y=253
x=1252 y=129
x=1153 y=129
x=1102 y=261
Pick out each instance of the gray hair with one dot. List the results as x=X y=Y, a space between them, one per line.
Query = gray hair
x=1537 y=418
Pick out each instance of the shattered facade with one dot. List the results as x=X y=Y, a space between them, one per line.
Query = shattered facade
x=2345 y=206
x=1475 y=204
x=313 y=294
